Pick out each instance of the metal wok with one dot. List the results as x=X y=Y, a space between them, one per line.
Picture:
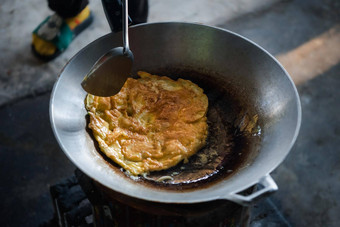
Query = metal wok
x=238 y=76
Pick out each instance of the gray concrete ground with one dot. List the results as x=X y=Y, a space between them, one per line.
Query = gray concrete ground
x=21 y=74
x=309 y=179
x=309 y=188
x=31 y=161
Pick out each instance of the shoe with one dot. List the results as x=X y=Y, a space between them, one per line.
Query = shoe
x=54 y=34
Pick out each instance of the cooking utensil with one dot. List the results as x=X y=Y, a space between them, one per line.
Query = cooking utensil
x=108 y=75
x=239 y=77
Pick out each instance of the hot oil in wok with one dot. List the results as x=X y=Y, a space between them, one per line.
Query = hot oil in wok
x=227 y=149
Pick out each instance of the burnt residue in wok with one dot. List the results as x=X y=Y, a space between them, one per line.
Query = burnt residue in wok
x=228 y=149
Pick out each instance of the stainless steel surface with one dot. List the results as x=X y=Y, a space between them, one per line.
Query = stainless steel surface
x=229 y=58
x=109 y=73
x=269 y=186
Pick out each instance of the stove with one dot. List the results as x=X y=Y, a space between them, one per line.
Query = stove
x=81 y=201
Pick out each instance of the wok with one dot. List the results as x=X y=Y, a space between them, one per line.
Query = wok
x=240 y=79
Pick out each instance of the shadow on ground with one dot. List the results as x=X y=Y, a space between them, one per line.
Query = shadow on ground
x=30 y=162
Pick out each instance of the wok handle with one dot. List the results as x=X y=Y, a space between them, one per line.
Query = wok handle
x=269 y=186
x=113 y=12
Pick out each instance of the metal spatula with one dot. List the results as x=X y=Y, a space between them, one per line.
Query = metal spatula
x=109 y=73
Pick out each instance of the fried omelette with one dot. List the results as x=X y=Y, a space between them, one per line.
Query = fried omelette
x=152 y=124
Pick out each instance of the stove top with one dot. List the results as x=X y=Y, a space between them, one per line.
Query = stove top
x=80 y=201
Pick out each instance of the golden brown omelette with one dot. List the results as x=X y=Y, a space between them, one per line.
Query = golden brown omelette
x=152 y=124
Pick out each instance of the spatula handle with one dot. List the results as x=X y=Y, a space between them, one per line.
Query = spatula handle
x=125 y=19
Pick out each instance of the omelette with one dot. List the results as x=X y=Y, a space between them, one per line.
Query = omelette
x=152 y=124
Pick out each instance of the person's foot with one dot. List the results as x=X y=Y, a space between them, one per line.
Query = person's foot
x=55 y=34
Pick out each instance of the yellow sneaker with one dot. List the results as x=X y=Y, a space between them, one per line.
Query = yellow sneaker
x=54 y=34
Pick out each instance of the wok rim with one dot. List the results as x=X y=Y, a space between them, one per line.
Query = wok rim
x=183 y=193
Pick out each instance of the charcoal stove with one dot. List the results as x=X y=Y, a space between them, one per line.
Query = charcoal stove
x=81 y=201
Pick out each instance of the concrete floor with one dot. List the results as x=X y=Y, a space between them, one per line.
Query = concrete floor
x=309 y=179
x=22 y=74
x=31 y=161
